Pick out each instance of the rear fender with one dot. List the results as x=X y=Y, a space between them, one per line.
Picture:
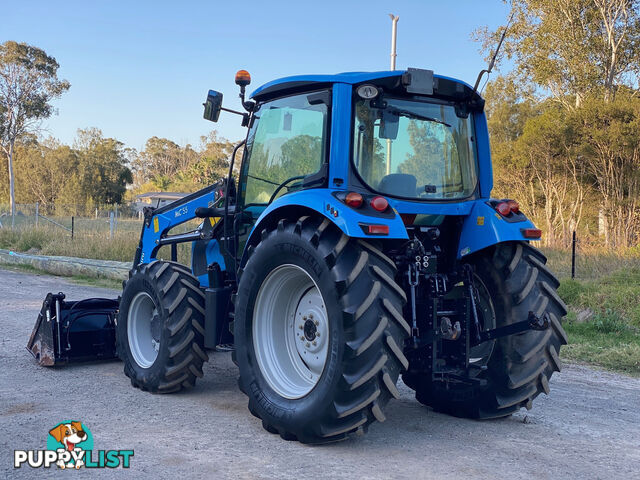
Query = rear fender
x=320 y=201
x=485 y=227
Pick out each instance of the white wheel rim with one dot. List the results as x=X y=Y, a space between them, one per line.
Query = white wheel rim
x=143 y=342
x=290 y=331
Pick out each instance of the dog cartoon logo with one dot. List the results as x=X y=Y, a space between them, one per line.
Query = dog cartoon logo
x=70 y=446
x=74 y=438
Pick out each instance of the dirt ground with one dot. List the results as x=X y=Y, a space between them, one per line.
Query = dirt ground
x=589 y=427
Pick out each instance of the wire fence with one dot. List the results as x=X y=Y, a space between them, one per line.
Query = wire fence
x=586 y=260
x=98 y=220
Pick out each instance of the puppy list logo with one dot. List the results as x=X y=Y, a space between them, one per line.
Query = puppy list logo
x=70 y=445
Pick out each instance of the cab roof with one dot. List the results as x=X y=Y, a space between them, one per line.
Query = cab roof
x=286 y=85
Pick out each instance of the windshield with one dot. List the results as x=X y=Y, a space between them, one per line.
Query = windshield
x=414 y=149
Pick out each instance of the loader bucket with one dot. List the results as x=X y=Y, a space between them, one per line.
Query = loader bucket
x=76 y=331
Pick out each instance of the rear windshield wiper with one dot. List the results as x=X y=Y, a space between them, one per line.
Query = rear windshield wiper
x=408 y=113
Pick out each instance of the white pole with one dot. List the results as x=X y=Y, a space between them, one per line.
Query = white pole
x=394 y=34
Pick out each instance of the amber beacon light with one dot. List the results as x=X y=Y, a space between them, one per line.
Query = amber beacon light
x=243 y=78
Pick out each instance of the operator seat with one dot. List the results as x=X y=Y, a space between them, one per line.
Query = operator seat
x=400 y=184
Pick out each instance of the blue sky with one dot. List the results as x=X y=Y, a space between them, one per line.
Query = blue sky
x=143 y=68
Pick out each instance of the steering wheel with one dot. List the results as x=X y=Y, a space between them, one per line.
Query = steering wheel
x=283 y=184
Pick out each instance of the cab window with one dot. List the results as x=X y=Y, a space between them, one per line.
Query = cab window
x=286 y=144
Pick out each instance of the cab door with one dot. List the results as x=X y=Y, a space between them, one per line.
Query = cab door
x=287 y=144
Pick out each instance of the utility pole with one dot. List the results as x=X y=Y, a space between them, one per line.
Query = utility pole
x=394 y=34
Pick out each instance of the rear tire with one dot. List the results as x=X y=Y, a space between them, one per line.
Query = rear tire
x=365 y=332
x=520 y=365
x=160 y=328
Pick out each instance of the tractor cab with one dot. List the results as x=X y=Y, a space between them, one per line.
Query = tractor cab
x=410 y=136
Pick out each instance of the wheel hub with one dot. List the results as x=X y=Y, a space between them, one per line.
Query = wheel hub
x=310 y=330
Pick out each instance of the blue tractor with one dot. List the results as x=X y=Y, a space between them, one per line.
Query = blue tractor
x=358 y=243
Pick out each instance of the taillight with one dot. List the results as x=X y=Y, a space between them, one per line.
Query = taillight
x=507 y=207
x=503 y=208
x=354 y=200
x=379 y=203
x=531 y=232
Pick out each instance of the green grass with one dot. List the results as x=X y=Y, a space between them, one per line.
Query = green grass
x=610 y=337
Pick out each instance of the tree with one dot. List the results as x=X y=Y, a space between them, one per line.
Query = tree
x=572 y=48
x=102 y=168
x=28 y=83
x=611 y=150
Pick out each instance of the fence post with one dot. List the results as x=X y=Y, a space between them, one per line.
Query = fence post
x=72 y=222
x=96 y=213
x=110 y=224
x=116 y=219
x=573 y=256
x=37 y=212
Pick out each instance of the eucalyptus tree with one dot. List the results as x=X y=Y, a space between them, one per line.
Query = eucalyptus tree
x=28 y=82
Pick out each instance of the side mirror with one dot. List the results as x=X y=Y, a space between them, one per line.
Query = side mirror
x=212 y=106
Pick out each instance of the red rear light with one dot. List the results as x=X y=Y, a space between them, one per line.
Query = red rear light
x=514 y=206
x=531 y=232
x=379 y=203
x=503 y=208
x=354 y=200
x=377 y=229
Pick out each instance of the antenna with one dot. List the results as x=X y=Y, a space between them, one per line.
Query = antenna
x=495 y=55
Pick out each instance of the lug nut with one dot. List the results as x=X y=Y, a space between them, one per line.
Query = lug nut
x=300 y=327
x=316 y=323
x=308 y=345
x=317 y=334
x=311 y=315
x=315 y=343
x=304 y=318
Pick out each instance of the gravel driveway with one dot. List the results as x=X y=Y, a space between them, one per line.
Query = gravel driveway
x=589 y=427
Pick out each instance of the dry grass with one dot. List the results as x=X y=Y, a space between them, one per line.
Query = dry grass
x=54 y=241
x=46 y=240
x=592 y=262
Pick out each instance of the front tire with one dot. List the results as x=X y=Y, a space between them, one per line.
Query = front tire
x=160 y=328
x=304 y=268
x=520 y=366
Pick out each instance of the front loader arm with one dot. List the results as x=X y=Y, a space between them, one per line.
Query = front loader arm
x=159 y=221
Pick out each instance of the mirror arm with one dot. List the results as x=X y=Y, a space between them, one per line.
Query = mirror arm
x=232 y=111
x=245 y=116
